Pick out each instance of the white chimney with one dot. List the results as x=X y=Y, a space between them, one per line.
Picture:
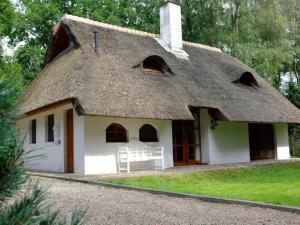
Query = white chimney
x=170 y=25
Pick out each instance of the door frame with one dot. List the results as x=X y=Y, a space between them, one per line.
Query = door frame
x=186 y=125
x=262 y=156
x=69 y=168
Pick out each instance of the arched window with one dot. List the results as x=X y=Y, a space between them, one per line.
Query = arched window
x=247 y=79
x=154 y=63
x=116 y=133
x=148 y=133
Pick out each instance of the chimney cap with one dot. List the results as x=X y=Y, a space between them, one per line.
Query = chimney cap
x=169 y=1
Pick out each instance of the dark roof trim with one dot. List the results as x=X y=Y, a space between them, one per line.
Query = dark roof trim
x=52 y=106
x=217 y=114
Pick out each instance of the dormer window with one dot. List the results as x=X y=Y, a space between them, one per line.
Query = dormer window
x=61 y=41
x=155 y=64
x=247 y=79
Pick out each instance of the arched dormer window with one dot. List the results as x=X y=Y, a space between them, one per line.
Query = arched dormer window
x=148 y=133
x=154 y=63
x=116 y=133
x=61 y=41
x=247 y=79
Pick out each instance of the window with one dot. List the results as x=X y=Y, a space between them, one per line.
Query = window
x=49 y=128
x=116 y=133
x=60 y=41
x=247 y=79
x=32 y=132
x=155 y=64
x=148 y=133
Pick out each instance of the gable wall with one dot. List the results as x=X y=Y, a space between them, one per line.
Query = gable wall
x=51 y=155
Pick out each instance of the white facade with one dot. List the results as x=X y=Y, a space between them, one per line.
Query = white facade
x=282 y=141
x=92 y=155
x=228 y=142
x=51 y=155
x=79 y=143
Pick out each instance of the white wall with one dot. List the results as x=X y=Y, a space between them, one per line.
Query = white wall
x=205 y=135
x=227 y=143
x=79 y=143
x=100 y=157
x=282 y=141
x=52 y=154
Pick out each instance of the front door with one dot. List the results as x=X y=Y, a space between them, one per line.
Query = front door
x=70 y=141
x=261 y=140
x=186 y=143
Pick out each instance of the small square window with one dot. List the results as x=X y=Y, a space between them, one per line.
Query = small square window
x=49 y=128
x=32 y=132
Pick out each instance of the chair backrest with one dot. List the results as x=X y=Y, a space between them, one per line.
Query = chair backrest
x=136 y=154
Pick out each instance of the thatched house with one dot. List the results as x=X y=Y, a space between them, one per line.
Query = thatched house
x=106 y=87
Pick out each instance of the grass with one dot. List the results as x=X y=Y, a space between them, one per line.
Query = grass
x=277 y=183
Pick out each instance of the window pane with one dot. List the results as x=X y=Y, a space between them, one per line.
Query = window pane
x=178 y=154
x=148 y=133
x=33 y=132
x=192 y=155
x=50 y=128
x=116 y=133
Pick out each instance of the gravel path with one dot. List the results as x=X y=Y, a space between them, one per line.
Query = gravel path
x=114 y=206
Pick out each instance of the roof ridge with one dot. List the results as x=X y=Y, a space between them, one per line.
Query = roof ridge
x=198 y=45
x=131 y=31
x=109 y=26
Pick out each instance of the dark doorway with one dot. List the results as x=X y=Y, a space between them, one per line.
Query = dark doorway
x=186 y=141
x=261 y=140
x=70 y=141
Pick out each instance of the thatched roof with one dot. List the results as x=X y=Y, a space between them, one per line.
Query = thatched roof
x=108 y=85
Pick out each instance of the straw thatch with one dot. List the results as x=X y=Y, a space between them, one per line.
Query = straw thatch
x=112 y=85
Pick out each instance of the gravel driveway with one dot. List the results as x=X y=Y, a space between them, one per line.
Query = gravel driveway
x=114 y=206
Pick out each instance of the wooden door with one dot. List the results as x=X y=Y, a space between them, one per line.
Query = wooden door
x=261 y=140
x=70 y=141
x=185 y=144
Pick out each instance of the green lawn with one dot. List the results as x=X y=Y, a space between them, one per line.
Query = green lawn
x=278 y=184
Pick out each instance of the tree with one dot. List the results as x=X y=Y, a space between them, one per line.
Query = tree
x=30 y=206
x=18 y=207
x=31 y=59
x=292 y=92
x=7 y=17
